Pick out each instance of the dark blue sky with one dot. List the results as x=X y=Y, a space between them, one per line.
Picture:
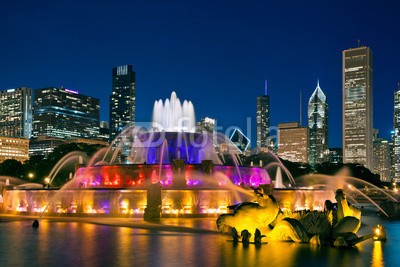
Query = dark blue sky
x=215 y=53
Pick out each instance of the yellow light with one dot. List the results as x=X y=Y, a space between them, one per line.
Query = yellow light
x=377 y=231
x=124 y=203
x=47 y=180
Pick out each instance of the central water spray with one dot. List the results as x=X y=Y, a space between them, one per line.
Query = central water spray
x=174 y=116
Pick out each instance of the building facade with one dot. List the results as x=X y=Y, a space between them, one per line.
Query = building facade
x=318 y=125
x=64 y=113
x=44 y=145
x=16 y=113
x=122 y=99
x=104 y=131
x=381 y=159
x=263 y=119
x=293 y=142
x=335 y=155
x=207 y=125
x=14 y=148
x=396 y=136
x=357 y=85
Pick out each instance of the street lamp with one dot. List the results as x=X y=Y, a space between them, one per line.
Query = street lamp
x=47 y=182
x=31 y=175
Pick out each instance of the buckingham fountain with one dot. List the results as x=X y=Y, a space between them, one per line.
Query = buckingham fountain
x=173 y=169
x=193 y=176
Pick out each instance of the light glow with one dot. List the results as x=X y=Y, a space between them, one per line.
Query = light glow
x=71 y=91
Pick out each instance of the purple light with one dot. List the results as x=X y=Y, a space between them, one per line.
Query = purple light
x=70 y=91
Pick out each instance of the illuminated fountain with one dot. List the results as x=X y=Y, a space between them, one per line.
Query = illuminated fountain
x=173 y=153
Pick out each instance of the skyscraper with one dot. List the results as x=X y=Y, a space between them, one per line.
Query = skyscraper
x=382 y=159
x=122 y=99
x=396 y=136
x=357 y=106
x=318 y=125
x=293 y=142
x=16 y=113
x=263 y=119
x=64 y=113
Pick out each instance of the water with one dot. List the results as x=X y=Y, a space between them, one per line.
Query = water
x=174 y=116
x=174 y=242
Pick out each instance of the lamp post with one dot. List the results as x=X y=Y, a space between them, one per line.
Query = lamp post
x=47 y=182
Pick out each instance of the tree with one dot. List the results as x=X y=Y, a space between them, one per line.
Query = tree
x=11 y=167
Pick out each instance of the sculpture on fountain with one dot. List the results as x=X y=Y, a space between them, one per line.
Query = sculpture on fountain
x=336 y=225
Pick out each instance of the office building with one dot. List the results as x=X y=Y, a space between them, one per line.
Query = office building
x=357 y=106
x=16 y=113
x=381 y=159
x=104 y=133
x=14 y=148
x=44 y=145
x=263 y=119
x=64 y=113
x=122 y=99
x=318 y=125
x=293 y=142
x=396 y=136
x=335 y=155
x=206 y=125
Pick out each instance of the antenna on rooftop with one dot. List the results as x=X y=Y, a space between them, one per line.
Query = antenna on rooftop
x=300 y=110
x=266 y=87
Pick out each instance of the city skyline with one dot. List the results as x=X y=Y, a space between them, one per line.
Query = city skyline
x=215 y=55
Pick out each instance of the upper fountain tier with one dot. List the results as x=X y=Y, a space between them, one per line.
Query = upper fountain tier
x=172 y=116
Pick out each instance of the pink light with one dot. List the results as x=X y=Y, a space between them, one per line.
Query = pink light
x=71 y=91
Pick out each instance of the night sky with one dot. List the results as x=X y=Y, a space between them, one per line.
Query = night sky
x=215 y=53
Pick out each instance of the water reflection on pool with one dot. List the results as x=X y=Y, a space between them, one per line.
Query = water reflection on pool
x=83 y=244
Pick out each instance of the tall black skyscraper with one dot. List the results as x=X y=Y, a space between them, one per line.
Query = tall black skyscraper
x=122 y=99
x=263 y=119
